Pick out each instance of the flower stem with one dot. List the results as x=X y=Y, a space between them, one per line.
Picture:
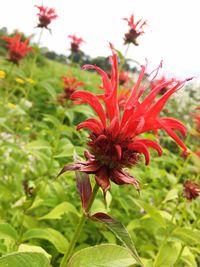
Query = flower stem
x=79 y=227
x=124 y=58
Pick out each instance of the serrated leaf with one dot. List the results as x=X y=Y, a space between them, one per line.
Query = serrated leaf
x=59 y=210
x=25 y=259
x=8 y=232
x=53 y=236
x=119 y=231
x=102 y=255
x=167 y=255
x=189 y=236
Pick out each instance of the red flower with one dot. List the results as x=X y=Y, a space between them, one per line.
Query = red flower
x=164 y=89
x=76 y=42
x=46 y=15
x=70 y=86
x=136 y=29
x=17 y=48
x=124 y=78
x=191 y=189
x=197 y=120
x=113 y=142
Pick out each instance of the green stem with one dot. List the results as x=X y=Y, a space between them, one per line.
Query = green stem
x=79 y=227
x=179 y=256
x=124 y=58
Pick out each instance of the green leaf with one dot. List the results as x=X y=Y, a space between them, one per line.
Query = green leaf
x=31 y=248
x=49 y=89
x=189 y=236
x=119 y=231
x=172 y=194
x=7 y=231
x=167 y=255
x=24 y=259
x=102 y=256
x=59 y=210
x=37 y=145
x=153 y=212
x=53 y=236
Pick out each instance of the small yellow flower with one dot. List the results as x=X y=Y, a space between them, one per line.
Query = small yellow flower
x=11 y=105
x=2 y=74
x=29 y=80
x=19 y=80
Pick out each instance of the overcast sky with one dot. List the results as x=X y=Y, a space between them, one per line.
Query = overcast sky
x=172 y=34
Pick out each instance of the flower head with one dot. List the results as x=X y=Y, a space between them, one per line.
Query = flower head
x=17 y=48
x=114 y=142
x=75 y=43
x=124 y=78
x=191 y=189
x=136 y=29
x=70 y=86
x=46 y=15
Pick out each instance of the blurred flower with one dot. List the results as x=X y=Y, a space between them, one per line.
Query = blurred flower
x=124 y=77
x=20 y=81
x=17 y=48
x=70 y=86
x=123 y=96
x=197 y=153
x=191 y=189
x=2 y=74
x=75 y=43
x=113 y=141
x=29 y=80
x=11 y=105
x=156 y=82
x=197 y=119
x=136 y=29
x=46 y=15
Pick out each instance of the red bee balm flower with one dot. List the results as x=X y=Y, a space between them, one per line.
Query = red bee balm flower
x=46 y=15
x=191 y=189
x=164 y=89
x=76 y=42
x=113 y=142
x=197 y=120
x=136 y=29
x=17 y=48
x=70 y=86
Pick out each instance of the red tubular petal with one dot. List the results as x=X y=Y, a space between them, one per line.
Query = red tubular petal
x=140 y=147
x=106 y=82
x=69 y=167
x=114 y=127
x=91 y=124
x=119 y=151
x=120 y=177
x=103 y=180
x=152 y=144
x=93 y=101
x=156 y=109
x=173 y=135
x=175 y=124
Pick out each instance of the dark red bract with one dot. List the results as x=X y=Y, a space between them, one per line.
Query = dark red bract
x=113 y=141
x=191 y=189
x=17 y=48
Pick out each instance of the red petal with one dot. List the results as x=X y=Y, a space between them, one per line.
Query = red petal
x=119 y=151
x=152 y=144
x=120 y=177
x=93 y=101
x=175 y=124
x=140 y=147
x=103 y=180
x=91 y=124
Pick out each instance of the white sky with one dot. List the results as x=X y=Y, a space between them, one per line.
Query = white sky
x=172 y=35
